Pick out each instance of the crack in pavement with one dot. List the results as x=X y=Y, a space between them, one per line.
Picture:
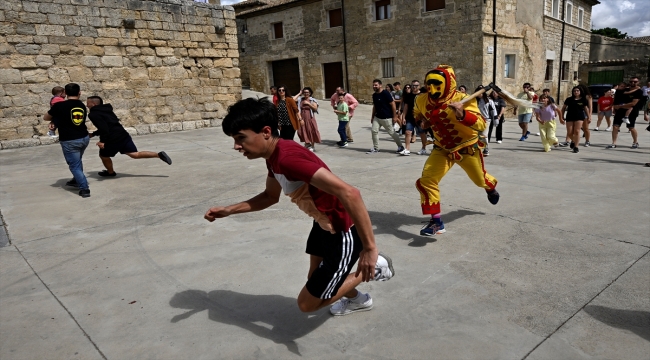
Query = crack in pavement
x=583 y=306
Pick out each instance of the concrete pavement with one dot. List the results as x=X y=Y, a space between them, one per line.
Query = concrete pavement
x=559 y=269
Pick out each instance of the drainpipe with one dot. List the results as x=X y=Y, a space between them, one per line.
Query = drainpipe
x=494 y=30
x=345 y=49
x=559 y=78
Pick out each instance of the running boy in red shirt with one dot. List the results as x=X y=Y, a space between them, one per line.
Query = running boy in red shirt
x=341 y=233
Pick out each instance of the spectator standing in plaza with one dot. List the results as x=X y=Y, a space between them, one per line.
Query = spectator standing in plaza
x=605 y=104
x=352 y=104
x=73 y=134
x=547 y=92
x=627 y=98
x=289 y=119
x=342 y=111
x=397 y=96
x=500 y=106
x=488 y=111
x=576 y=108
x=113 y=138
x=585 y=125
x=524 y=114
x=546 y=118
x=274 y=94
x=308 y=132
x=412 y=127
x=406 y=92
x=383 y=115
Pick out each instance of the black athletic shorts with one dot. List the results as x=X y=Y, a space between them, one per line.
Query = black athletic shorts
x=339 y=251
x=123 y=147
x=620 y=113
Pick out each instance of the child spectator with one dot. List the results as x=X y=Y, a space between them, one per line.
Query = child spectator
x=342 y=112
x=58 y=95
x=546 y=119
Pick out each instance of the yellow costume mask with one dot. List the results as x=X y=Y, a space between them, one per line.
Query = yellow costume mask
x=436 y=84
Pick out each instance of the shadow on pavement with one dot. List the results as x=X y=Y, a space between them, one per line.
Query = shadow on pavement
x=389 y=223
x=637 y=322
x=612 y=161
x=274 y=317
x=61 y=184
x=120 y=175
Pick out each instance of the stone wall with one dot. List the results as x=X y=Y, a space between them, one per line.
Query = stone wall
x=164 y=65
x=631 y=68
x=604 y=48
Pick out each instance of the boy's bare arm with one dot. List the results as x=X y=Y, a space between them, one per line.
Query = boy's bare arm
x=270 y=196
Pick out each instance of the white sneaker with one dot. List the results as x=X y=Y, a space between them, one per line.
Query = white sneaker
x=609 y=129
x=372 y=151
x=536 y=134
x=405 y=152
x=423 y=152
x=596 y=129
x=499 y=141
x=346 y=306
x=384 y=268
x=626 y=120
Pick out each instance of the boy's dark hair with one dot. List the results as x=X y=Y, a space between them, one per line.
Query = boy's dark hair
x=377 y=81
x=96 y=99
x=57 y=90
x=526 y=84
x=251 y=114
x=273 y=87
x=462 y=86
x=397 y=83
x=545 y=90
x=72 y=89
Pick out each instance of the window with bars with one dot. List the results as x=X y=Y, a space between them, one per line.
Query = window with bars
x=565 y=70
x=388 y=67
x=431 y=5
x=278 y=32
x=549 y=70
x=382 y=10
x=335 y=18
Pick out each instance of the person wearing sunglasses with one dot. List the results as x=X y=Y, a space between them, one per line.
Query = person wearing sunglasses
x=289 y=119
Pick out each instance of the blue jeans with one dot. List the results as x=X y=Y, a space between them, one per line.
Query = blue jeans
x=73 y=150
x=341 y=130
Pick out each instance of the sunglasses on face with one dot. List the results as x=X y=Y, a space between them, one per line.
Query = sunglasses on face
x=280 y=90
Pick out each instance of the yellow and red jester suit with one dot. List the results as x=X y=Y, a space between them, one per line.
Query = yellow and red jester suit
x=456 y=140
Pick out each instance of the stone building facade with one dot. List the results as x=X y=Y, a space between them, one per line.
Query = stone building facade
x=412 y=37
x=615 y=60
x=164 y=65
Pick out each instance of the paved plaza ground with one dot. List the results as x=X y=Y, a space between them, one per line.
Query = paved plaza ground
x=559 y=269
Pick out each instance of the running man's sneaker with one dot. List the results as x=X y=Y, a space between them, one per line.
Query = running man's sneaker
x=384 y=268
x=399 y=149
x=523 y=138
x=434 y=227
x=564 y=144
x=164 y=157
x=346 y=306
x=372 y=151
x=84 y=193
x=635 y=146
x=423 y=152
x=626 y=120
x=596 y=128
x=612 y=146
x=350 y=140
x=405 y=152
x=536 y=134
x=72 y=183
x=609 y=129
x=493 y=196
x=342 y=145
x=587 y=143
x=576 y=150
x=499 y=141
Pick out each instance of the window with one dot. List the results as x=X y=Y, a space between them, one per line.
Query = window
x=335 y=18
x=382 y=10
x=555 y=8
x=581 y=16
x=549 y=70
x=568 y=15
x=388 y=68
x=509 y=70
x=277 y=31
x=565 y=70
x=431 y=5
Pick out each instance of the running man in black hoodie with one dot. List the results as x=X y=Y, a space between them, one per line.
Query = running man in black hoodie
x=113 y=138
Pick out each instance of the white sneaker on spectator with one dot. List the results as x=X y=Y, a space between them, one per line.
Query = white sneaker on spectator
x=423 y=152
x=405 y=152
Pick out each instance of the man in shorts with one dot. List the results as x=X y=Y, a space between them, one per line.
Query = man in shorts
x=341 y=233
x=625 y=99
x=524 y=114
x=113 y=138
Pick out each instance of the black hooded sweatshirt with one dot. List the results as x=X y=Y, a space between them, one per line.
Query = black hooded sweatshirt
x=108 y=126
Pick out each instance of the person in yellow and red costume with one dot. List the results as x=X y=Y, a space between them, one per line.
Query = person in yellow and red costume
x=456 y=128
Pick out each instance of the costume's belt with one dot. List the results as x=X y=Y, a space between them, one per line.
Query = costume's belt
x=468 y=150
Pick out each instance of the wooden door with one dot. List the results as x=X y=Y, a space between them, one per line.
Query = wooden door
x=333 y=74
x=287 y=73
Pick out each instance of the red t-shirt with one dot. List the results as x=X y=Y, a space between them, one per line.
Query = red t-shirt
x=293 y=166
x=605 y=103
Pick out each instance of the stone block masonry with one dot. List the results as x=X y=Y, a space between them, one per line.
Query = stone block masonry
x=164 y=65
